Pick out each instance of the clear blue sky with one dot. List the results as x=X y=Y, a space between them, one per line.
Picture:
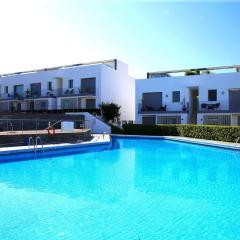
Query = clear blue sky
x=149 y=36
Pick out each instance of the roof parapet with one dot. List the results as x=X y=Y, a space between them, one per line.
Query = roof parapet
x=204 y=69
x=110 y=63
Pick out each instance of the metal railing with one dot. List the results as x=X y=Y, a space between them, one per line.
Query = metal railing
x=77 y=92
x=43 y=106
x=31 y=94
x=48 y=93
x=164 y=107
x=214 y=106
x=19 y=126
x=38 y=139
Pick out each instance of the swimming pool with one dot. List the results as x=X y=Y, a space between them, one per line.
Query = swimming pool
x=144 y=189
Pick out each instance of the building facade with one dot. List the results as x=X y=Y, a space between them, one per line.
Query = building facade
x=80 y=86
x=194 y=96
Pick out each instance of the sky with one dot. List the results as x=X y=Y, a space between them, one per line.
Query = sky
x=148 y=35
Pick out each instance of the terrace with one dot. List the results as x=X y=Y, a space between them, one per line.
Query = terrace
x=194 y=71
x=165 y=107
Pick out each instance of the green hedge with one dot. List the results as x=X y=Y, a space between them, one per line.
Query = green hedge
x=219 y=133
x=116 y=130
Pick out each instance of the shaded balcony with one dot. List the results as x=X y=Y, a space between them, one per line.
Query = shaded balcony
x=165 y=107
x=65 y=92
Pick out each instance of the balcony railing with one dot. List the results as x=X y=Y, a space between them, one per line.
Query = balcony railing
x=165 y=107
x=218 y=106
x=77 y=92
x=46 y=93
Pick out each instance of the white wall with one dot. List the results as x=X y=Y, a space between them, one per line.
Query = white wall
x=221 y=81
x=118 y=87
x=95 y=124
x=111 y=85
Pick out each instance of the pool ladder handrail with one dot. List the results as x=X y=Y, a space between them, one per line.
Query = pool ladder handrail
x=237 y=141
x=31 y=140
x=38 y=139
x=35 y=144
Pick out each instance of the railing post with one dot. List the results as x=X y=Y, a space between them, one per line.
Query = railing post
x=36 y=126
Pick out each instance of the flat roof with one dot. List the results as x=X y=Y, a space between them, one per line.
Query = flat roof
x=193 y=69
x=106 y=62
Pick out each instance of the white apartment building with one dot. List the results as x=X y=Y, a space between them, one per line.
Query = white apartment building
x=79 y=86
x=204 y=96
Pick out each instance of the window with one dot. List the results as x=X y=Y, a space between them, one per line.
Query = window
x=151 y=101
x=41 y=105
x=176 y=96
x=169 y=120
x=224 y=120
x=6 y=89
x=70 y=83
x=35 y=89
x=149 y=120
x=88 y=85
x=90 y=103
x=212 y=95
x=18 y=90
x=49 y=86
x=69 y=103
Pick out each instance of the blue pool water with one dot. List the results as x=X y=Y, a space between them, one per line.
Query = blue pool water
x=143 y=190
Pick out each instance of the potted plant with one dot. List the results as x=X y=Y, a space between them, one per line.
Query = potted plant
x=184 y=108
x=28 y=93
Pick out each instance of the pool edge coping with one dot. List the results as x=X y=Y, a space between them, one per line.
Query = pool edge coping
x=96 y=141
x=204 y=142
x=99 y=139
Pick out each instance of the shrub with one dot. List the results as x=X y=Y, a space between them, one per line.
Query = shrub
x=110 y=111
x=155 y=130
x=116 y=130
x=192 y=72
x=210 y=132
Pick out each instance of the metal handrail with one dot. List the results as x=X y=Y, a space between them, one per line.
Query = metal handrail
x=237 y=141
x=49 y=126
x=19 y=126
x=36 y=143
x=30 y=139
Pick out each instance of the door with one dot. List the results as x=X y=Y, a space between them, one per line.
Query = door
x=193 y=105
x=234 y=100
x=149 y=120
x=18 y=91
x=90 y=103
x=36 y=89
x=88 y=85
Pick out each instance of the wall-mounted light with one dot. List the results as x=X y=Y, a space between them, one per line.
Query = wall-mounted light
x=222 y=92
x=166 y=96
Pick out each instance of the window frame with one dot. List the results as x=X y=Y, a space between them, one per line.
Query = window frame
x=70 y=83
x=49 y=85
x=6 y=89
x=212 y=98
x=178 y=99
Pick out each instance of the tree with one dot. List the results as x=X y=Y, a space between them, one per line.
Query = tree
x=192 y=72
x=110 y=111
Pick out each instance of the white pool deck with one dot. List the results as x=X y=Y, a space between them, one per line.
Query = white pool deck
x=100 y=139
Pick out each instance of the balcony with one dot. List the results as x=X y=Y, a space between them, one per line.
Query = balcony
x=46 y=93
x=218 y=107
x=166 y=107
x=66 y=92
